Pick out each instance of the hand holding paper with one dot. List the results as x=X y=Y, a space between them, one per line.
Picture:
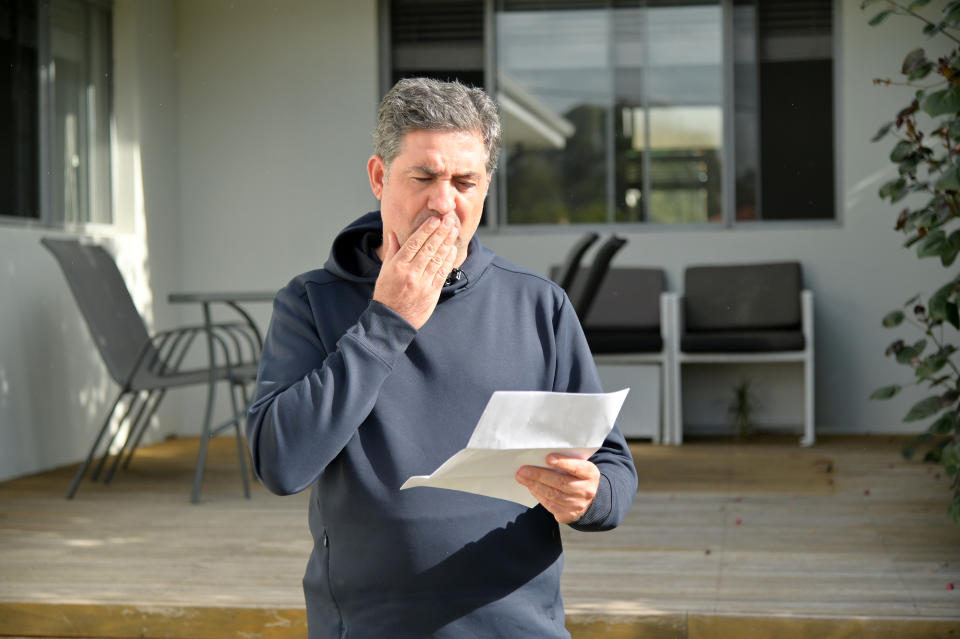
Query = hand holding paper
x=566 y=489
x=520 y=428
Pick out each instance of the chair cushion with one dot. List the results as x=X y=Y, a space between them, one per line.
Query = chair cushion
x=628 y=299
x=742 y=297
x=742 y=341
x=623 y=340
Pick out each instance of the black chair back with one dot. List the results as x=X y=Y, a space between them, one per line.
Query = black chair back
x=571 y=265
x=587 y=292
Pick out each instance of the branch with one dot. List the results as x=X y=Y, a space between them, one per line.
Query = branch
x=911 y=12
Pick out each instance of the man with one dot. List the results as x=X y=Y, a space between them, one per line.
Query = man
x=378 y=366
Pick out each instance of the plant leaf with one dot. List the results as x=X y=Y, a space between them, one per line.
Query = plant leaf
x=954 y=509
x=881 y=132
x=923 y=409
x=949 y=181
x=914 y=59
x=901 y=151
x=951 y=248
x=942 y=102
x=913 y=240
x=921 y=72
x=939 y=301
x=916 y=4
x=952 y=314
x=932 y=244
x=952 y=18
x=894 y=189
x=945 y=424
x=880 y=17
x=886 y=392
x=907 y=354
x=894 y=318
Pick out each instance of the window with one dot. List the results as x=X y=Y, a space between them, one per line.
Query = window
x=56 y=109
x=610 y=115
x=710 y=112
x=783 y=105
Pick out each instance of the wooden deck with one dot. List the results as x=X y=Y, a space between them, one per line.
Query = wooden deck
x=757 y=539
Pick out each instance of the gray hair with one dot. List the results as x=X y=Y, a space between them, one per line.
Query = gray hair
x=427 y=104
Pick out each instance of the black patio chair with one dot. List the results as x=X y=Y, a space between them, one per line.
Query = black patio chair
x=145 y=366
x=626 y=325
x=744 y=313
x=586 y=286
x=567 y=272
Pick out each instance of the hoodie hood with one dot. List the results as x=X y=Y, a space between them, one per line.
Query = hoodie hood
x=353 y=256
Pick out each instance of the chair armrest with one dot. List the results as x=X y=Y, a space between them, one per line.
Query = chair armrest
x=668 y=302
x=238 y=345
x=806 y=311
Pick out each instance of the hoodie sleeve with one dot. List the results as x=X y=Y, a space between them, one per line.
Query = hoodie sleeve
x=577 y=373
x=309 y=403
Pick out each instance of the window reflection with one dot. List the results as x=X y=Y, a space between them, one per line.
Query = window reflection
x=611 y=114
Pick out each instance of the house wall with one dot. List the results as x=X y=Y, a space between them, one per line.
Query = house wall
x=54 y=389
x=272 y=158
x=276 y=104
x=243 y=128
x=856 y=267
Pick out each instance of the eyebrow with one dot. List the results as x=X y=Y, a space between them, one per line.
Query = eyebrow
x=470 y=175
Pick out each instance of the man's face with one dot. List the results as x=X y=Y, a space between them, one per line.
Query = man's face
x=436 y=172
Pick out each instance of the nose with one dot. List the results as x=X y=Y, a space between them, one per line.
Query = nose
x=442 y=197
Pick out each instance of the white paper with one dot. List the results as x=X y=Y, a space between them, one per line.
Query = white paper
x=519 y=428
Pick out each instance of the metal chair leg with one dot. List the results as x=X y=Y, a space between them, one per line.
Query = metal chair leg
x=135 y=427
x=93 y=449
x=143 y=428
x=106 y=453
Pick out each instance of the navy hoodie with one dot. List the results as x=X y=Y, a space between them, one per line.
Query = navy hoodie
x=353 y=400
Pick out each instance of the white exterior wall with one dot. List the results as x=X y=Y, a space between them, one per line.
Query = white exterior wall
x=243 y=130
x=277 y=100
x=54 y=389
x=856 y=267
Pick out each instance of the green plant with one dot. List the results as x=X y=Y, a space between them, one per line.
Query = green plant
x=929 y=171
x=742 y=407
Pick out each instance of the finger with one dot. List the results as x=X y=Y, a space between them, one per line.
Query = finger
x=450 y=245
x=564 y=509
x=582 y=468
x=390 y=246
x=411 y=248
x=557 y=484
x=432 y=253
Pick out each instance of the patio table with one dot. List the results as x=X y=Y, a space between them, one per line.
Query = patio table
x=233 y=300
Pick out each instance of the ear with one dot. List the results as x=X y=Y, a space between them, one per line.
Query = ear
x=377 y=172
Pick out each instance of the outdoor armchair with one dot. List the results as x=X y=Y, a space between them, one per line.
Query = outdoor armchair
x=627 y=325
x=145 y=366
x=744 y=313
x=623 y=314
